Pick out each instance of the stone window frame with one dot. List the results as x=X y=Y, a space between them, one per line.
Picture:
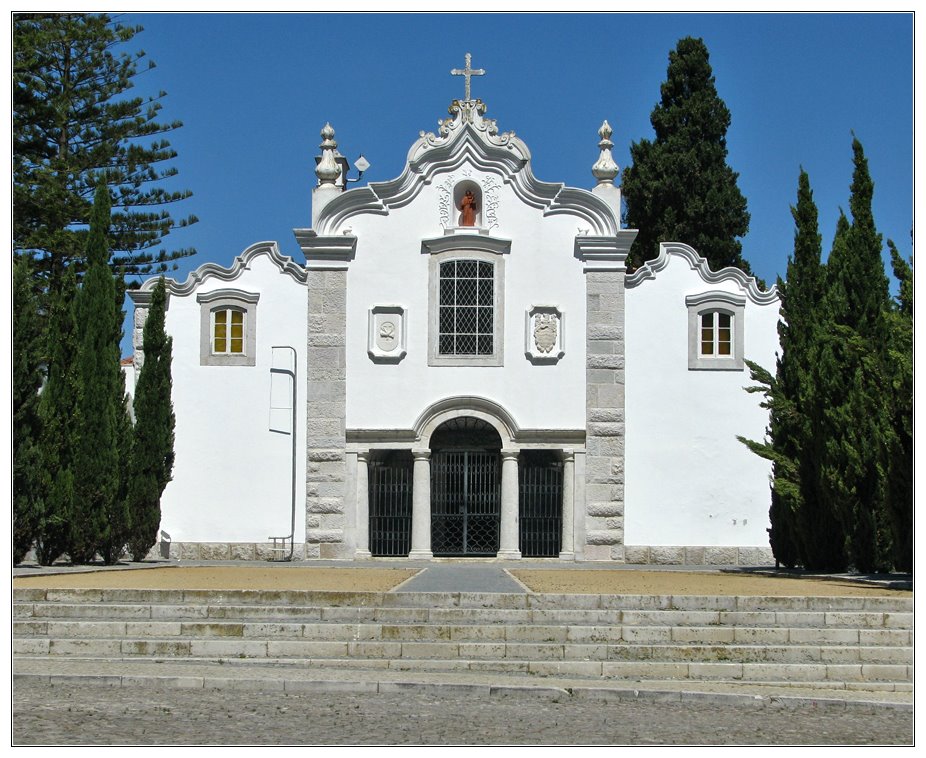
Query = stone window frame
x=493 y=251
x=224 y=299
x=716 y=302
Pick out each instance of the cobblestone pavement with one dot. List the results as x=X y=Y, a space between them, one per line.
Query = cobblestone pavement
x=45 y=714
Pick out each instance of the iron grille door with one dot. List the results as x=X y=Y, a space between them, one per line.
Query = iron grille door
x=465 y=502
x=391 y=507
x=540 y=505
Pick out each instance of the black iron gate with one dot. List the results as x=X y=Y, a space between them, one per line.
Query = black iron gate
x=465 y=502
x=390 y=481
x=540 y=516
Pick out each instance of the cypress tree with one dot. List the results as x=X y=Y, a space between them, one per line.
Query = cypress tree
x=100 y=517
x=900 y=459
x=852 y=372
x=27 y=379
x=679 y=186
x=788 y=393
x=58 y=410
x=153 y=447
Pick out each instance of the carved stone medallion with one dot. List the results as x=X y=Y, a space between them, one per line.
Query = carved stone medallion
x=545 y=336
x=545 y=331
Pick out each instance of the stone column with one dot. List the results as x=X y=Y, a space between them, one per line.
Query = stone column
x=567 y=551
x=509 y=537
x=363 y=506
x=421 y=505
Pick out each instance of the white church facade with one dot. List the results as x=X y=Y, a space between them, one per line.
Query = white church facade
x=462 y=366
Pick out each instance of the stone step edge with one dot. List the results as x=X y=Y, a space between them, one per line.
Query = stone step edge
x=217 y=614
x=476 y=599
x=706 y=670
x=373 y=686
x=630 y=646
x=687 y=636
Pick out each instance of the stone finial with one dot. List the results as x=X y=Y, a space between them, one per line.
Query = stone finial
x=605 y=170
x=328 y=169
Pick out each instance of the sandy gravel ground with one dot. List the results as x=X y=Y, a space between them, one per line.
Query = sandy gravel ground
x=624 y=582
x=588 y=581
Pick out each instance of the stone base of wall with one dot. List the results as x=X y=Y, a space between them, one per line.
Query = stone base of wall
x=698 y=556
x=224 y=551
x=643 y=555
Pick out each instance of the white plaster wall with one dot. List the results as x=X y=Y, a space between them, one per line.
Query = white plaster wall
x=689 y=481
x=232 y=475
x=390 y=269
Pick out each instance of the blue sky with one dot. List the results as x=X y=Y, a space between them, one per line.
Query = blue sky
x=253 y=92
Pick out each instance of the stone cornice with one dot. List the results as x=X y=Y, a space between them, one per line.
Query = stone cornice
x=466 y=241
x=748 y=283
x=286 y=265
x=605 y=253
x=326 y=252
x=227 y=294
x=715 y=296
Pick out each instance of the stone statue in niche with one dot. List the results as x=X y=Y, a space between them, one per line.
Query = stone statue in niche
x=468 y=209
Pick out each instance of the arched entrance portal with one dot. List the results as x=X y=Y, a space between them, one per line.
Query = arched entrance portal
x=465 y=488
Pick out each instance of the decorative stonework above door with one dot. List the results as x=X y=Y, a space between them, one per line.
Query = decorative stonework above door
x=387 y=334
x=545 y=337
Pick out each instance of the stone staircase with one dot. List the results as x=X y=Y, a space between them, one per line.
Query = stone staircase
x=857 y=643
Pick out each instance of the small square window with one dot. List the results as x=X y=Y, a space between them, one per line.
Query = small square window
x=715 y=331
x=228 y=330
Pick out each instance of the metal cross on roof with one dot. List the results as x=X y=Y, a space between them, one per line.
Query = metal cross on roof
x=467 y=72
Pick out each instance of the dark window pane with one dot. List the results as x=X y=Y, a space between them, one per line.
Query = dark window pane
x=466 y=344
x=486 y=291
x=466 y=269
x=485 y=270
x=466 y=320
x=446 y=291
x=446 y=344
x=466 y=292
x=485 y=344
x=446 y=320
x=485 y=320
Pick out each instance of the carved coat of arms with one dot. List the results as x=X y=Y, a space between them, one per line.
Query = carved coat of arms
x=545 y=327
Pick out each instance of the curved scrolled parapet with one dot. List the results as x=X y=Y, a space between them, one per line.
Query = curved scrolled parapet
x=474 y=144
x=207 y=271
x=748 y=283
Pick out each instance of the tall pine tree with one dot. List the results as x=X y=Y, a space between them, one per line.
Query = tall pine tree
x=100 y=518
x=73 y=126
x=153 y=447
x=679 y=186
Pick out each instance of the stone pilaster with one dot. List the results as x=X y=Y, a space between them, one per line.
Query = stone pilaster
x=604 y=386
x=326 y=470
